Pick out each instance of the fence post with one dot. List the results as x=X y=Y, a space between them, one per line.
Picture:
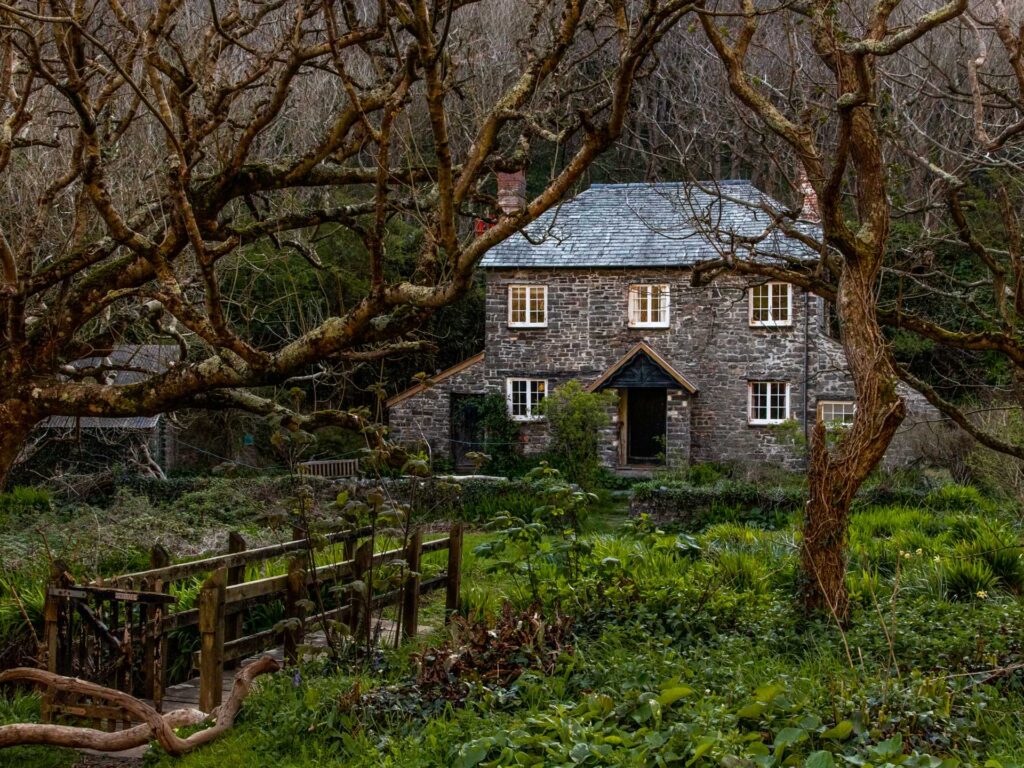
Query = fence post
x=359 y=605
x=411 y=593
x=296 y=591
x=155 y=655
x=451 y=603
x=236 y=575
x=51 y=637
x=211 y=636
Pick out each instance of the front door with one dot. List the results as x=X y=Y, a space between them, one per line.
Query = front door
x=467 y=433
x=645 y=426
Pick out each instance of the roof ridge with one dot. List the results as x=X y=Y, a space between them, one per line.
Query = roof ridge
x=668 y=183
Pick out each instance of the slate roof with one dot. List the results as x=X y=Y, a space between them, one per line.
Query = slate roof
x=130 y=363
x=667 y=224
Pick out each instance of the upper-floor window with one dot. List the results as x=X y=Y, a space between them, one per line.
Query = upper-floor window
x=648 y=306
x=528 y=306
x=837 y=414
x=768 y=402
x=524 y=398
x=771 y=304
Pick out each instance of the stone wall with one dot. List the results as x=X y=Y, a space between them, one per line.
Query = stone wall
x=424 y=417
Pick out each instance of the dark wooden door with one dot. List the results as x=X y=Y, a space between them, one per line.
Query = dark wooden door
x=467 y=432
x=645 y=426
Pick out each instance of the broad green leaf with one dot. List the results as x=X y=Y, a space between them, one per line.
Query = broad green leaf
x=670 y=696
x=753 y=711
x=702 y=748
x=787 y=737
x=840 y=731
x=889 y=748
x=820 y=759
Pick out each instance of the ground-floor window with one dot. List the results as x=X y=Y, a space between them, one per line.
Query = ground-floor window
x=837 y=414
x=768 y=402
x=524 y=398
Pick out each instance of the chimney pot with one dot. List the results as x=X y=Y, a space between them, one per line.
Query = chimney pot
x=512 y=192
x=810 y=210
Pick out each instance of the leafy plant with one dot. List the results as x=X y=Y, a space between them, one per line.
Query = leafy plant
x=576 y=418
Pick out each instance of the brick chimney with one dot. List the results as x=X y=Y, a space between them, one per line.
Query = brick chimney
x=809 y=209
x=512 y=192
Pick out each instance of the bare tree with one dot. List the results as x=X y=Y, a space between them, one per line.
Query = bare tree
x=878 y=112
x=148 y=147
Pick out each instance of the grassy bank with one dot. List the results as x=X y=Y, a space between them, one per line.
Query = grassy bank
x=687 y=650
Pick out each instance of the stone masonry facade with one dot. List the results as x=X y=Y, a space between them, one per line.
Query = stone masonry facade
x=709 y=340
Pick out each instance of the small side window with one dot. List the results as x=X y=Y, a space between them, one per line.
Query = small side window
x=767 y=402
x=837 y=414
x=524 y=398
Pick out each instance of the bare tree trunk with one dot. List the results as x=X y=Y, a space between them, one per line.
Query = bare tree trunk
x=16 y=423
x=834 y=475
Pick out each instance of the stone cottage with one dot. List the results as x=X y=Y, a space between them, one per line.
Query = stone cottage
x=601 y=290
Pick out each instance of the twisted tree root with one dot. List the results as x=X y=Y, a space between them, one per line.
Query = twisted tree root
x=154 y=725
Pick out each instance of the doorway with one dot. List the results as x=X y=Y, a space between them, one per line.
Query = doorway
x=467 y=432
x=645 y=425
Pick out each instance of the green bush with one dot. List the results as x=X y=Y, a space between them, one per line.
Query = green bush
x=575 y=418
x=23 y=502
x=957 y=498
x=1002 y=553
x=963 y=579
x=694 y=507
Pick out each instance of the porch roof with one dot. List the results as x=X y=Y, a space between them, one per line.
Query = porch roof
x=609 y=377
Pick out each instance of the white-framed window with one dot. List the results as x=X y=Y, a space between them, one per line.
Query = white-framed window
x=837 y=414
x=648 y=306
x=528 y=306
x=524 y=398
x=771 y=304
x=768 y=402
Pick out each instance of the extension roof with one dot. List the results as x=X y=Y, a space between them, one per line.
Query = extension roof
x=125 y=364
x=668 y=224
x=415 y=389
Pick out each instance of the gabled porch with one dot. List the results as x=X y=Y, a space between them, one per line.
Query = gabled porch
x=653 y=416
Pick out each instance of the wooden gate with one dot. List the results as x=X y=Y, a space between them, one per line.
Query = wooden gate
x=108 y=636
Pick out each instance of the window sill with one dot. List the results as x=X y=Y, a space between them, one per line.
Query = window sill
x=527 y=325
x=768 y=423
x=651 y=326
x=526 y=419
x=772 y=325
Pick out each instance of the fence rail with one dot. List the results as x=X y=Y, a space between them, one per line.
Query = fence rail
x=116 y=632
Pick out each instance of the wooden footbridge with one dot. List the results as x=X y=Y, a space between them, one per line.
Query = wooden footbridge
x=130 y=631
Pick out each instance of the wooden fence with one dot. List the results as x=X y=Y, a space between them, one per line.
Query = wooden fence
x=117 y=632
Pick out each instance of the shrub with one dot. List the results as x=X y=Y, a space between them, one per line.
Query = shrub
x=694 y=507
x=576 y=418
x=957 y=498
x=1002 y=554
x=962 y=578
x=705 y=474
x=741 y=571
x=22 y=502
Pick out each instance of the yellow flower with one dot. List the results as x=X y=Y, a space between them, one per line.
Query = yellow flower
x=919 y=552
x=982 y=594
